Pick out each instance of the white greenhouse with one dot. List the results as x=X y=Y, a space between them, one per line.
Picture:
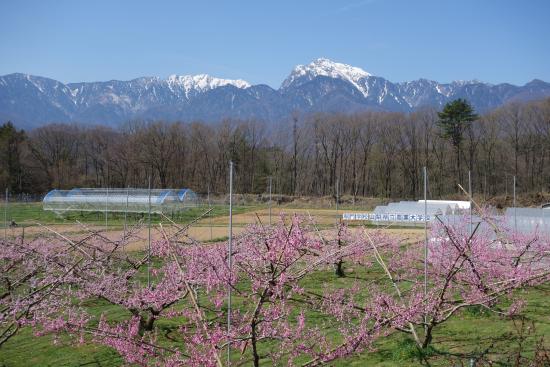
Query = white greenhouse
x=415 y=208
x=528 y=220
x=119 y=200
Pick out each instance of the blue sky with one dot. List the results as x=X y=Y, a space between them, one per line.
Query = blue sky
x=261 y=41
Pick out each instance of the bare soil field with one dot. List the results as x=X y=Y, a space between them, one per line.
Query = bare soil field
x=205 y=229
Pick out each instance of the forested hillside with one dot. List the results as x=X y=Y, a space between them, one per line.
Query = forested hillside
x=368 y=154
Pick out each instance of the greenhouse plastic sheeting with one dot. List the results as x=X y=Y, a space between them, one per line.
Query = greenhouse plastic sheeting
x=413 y=207
x=524 y=224
x=119 y=200
x=528 y=220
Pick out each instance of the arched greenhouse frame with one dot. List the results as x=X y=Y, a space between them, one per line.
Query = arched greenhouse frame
x=115 y=200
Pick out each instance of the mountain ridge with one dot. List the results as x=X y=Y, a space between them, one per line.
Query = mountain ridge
x=320 y=86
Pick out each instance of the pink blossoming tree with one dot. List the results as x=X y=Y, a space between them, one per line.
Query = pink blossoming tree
x=281 y=313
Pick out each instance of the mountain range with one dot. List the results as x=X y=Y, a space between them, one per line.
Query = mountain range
x=320 y=86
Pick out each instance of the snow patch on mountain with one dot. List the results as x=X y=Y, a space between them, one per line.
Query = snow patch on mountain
x=328 y=68
x=33 y=82
x=462 y=83
x=202 y=83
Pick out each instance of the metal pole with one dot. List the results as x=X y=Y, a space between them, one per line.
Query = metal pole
x=106 y=206
x=149 y=238
x=485 y=187
x=229 y=261
x=425 y=239
x=126 y=211
x=337 y=199
x=270 y=179
x=209 y=214
x=515 y=217
x=279 y=185
x=470 y=192
x=6 y=217
x=544 y=224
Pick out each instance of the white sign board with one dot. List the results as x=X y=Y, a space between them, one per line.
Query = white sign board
x=387 y=217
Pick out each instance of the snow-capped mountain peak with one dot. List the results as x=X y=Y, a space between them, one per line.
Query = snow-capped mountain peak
x=202 y=82
x=461 y=83
x=320 y=86
x=328 y=68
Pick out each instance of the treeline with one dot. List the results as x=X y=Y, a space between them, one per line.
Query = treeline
x=366 y=154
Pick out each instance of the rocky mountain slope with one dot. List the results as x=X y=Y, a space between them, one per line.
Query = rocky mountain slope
x=321 y=86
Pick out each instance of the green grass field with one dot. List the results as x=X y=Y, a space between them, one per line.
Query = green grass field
x=28 y=214
x=472 y=331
